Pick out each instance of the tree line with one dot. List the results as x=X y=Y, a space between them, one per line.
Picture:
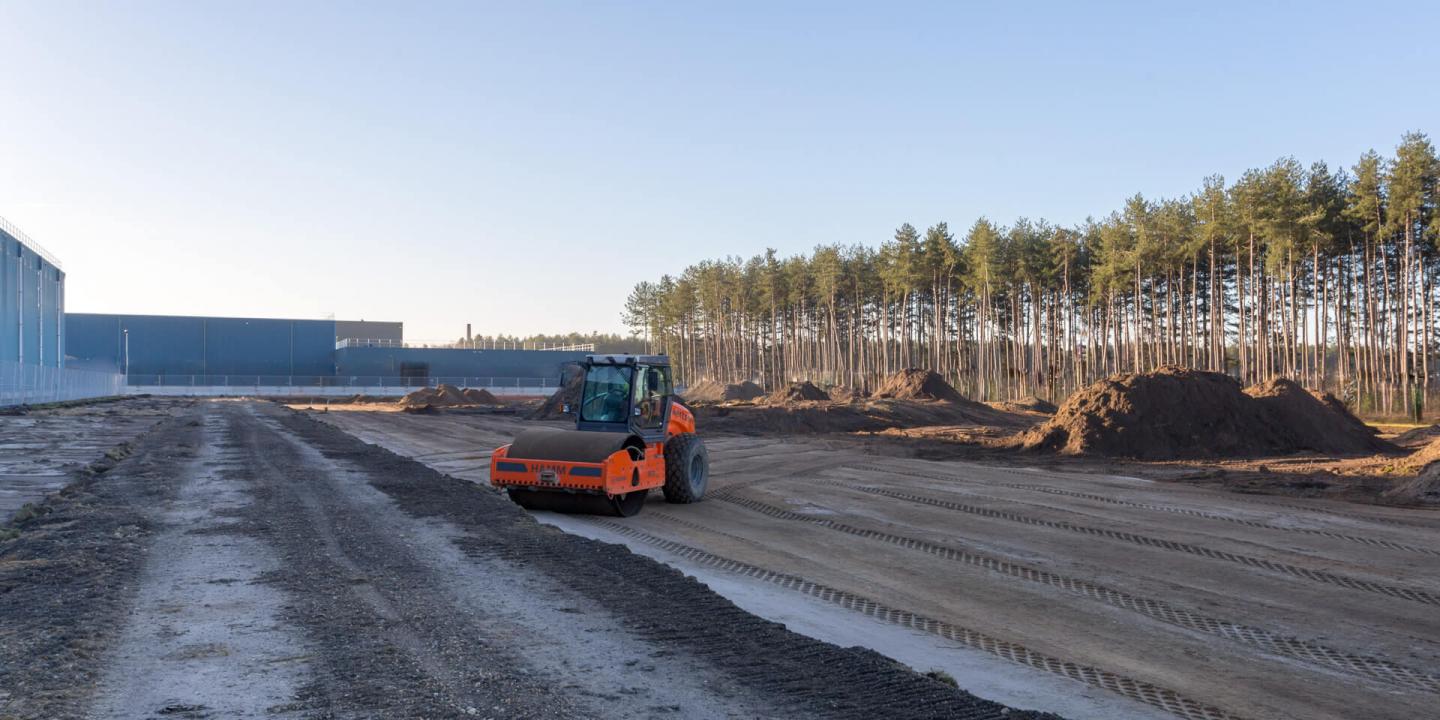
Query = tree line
x=1327 y=276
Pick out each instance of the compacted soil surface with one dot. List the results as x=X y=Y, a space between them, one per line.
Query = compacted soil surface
x=243 y=560
x=1035 y=579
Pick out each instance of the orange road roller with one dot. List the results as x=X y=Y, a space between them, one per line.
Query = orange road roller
x=631 y=436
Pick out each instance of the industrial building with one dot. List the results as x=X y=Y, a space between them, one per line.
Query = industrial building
x=32 y=328
x=32 y=302
x=170 y=351
x=48 y=355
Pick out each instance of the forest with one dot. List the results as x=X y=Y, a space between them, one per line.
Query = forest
x=1323 y=275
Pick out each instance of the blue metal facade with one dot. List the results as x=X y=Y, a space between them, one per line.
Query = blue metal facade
x=164 y=345
x=165 y=349
x=447 y=362
x=32 y=305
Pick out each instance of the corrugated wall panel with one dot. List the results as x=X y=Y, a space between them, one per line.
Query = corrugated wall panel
x=9 y=276
x=168 y=346
x=31 y=292
x=444 y=362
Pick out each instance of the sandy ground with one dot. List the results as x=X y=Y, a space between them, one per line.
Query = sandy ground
x=246 y=561
x=1089 y=594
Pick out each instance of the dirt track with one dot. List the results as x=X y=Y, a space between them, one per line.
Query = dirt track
x=1089 y=595
x=246 y=561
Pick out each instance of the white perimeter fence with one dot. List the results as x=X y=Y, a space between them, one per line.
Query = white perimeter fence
x=22 y=384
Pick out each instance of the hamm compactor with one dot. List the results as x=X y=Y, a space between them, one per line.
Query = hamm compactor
x=630 y=437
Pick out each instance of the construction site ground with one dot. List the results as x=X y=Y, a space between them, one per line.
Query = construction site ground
x=236 y=559
x=207 y=559
x=1076 y=587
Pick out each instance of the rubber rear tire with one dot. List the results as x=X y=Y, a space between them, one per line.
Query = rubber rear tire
x=687 y=468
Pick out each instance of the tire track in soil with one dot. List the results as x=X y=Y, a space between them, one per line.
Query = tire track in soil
x=383 y=649
x=1423 y=597
x=800 y=675
x=1314 y=653
x=1360 y=539
x=1153 y=695
x=1160 y=507
x=1249 y=499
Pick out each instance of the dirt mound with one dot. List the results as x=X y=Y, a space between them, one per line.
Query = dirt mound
x=845 y=394
x=1423 y=488
x=797 y=392
x=479 y=396
x=1417 y=461
x=1317 y=421
x=446 y=395
x=918 y=384
x=569 y=394
x=423 y=396
x=856 y=416
x=1029 y=403
x=711 y=391
x=1417 y=437
x=1182 y=413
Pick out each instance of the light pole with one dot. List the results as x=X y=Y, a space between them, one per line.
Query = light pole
x=127 y=356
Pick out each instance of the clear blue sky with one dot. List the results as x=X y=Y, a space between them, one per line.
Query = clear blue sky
x=522 y=165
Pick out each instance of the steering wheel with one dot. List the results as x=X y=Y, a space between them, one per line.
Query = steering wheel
x=593 y=400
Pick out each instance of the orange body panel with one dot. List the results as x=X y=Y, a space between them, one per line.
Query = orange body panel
x=681 y=421
x=616 y=475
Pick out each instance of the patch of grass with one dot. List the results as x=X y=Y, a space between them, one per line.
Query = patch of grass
x=942 y=676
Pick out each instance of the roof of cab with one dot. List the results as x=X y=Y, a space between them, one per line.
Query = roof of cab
x=628 y=359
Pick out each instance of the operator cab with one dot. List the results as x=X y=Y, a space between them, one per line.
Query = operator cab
x=626 y=393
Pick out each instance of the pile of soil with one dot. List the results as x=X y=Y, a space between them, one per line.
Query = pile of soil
x=446 y=395
x=479 y=396
x=797 y=392
x=918 y=384
x=845 y=394
x=711 y=391
x=1029 y=403
x=1177 y=412
x=1317 y=421
x=1423 y=488
x=569 y=394
x=857 y=416
x=1417 y=437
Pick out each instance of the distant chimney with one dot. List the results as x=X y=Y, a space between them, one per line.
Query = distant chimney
x=467 y=332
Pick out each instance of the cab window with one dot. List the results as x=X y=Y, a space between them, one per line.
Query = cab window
x=651 y=390
x=606 y=395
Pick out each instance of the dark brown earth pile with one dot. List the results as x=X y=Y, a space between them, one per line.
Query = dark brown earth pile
x=418 y=398
x=479 y=396
x=446 y=395
x=1029 y=403
x=1182 y=413
x=856 y=416
x=569 y=394
x=918 y=384
x=845 y=394
x=1417 y=461
x=1418 y=437
x=805 y=391
x=1317 y=421
x=711 y=391
x=1424 y=485
x=1423 y=488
